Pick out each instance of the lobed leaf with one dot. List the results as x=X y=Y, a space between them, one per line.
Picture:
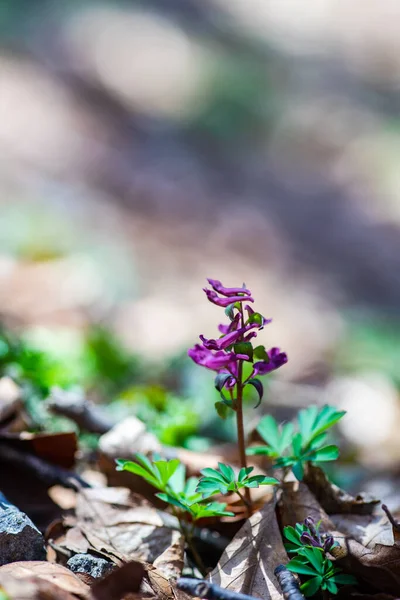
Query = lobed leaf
x=295 y=565
x=326 y=453
x=311 y=587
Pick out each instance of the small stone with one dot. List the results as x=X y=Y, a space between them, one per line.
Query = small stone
x=19 y=537
x=92 y=565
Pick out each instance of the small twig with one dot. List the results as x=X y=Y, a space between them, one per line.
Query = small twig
x=204 y=589
x=76 y=407
x=287 y=581
x=395 y=524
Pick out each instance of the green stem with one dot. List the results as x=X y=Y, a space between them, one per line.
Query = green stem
x=239 y=422
x=240 y=430
x=243 y=498
x=196 y=555
x=188 y=537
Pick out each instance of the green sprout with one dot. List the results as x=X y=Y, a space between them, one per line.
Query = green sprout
x=187 y=504
x=311 y=547
x=224 y=481
x=294 y=450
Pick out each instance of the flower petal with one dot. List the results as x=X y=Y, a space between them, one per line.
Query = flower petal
x=218 y=287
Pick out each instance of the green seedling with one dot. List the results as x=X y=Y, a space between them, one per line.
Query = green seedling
x=311 y=562
x=225 y=481
x=187 y=504
x=294 y=450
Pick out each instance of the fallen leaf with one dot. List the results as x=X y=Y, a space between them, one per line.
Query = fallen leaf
x=333 y=499
x=379 y=568
x=54 y=574
x=369 y=530
x=121 y=526
x=248 y=563
x=32 y=588
x=170 y=562
x=296 y=503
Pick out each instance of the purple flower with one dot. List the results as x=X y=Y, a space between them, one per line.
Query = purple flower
x=276 y=360
x=230 y=338
x=232 y=326
x=223 y=342
x=224 y=302
x=218 y=287
x=308 y=540
x=216 y=361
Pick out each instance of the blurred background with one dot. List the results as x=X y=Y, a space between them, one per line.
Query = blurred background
x=147 y=145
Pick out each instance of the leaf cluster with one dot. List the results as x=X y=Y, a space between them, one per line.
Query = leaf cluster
x=311 y=561
x=168 y=476
x=292 y=445
x=225 y=481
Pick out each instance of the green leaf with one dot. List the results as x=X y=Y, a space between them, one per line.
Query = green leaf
x=256 y=317
x=190 y=486
x=244 y=472
x=222 y=409
x=306 y=419
x=229 y=311
x=286 y=437
x=256 y=383
x=208 y=487
x=344 y=579
x=297 y=444
x=295 y=565
x=244 y=348
x=220 y=380
x=177 y=480
x=170 y=499
x=261 y=353
x=331 y=586
x=292 y=535
x=260 y=480
x=212 y=509
x=214 y=474
x=327 y=417
x=316 y=442
x=261 y=450
x=132 y=467
x=298 y=470
x=316 y=557
x=268 y=430
x=284 y=461
x=166 y=468
x=326 y=453
x=311 y=587
x=227 y=472
x=313 y=422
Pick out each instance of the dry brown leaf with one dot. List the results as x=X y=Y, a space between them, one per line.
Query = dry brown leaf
x=379 y=568
x=32 y=588
x=333 y=499
x=170 y=562
x=54 y=574
x=248 y=563
x=369 y=530
x=297 y=502
x=121 y=526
